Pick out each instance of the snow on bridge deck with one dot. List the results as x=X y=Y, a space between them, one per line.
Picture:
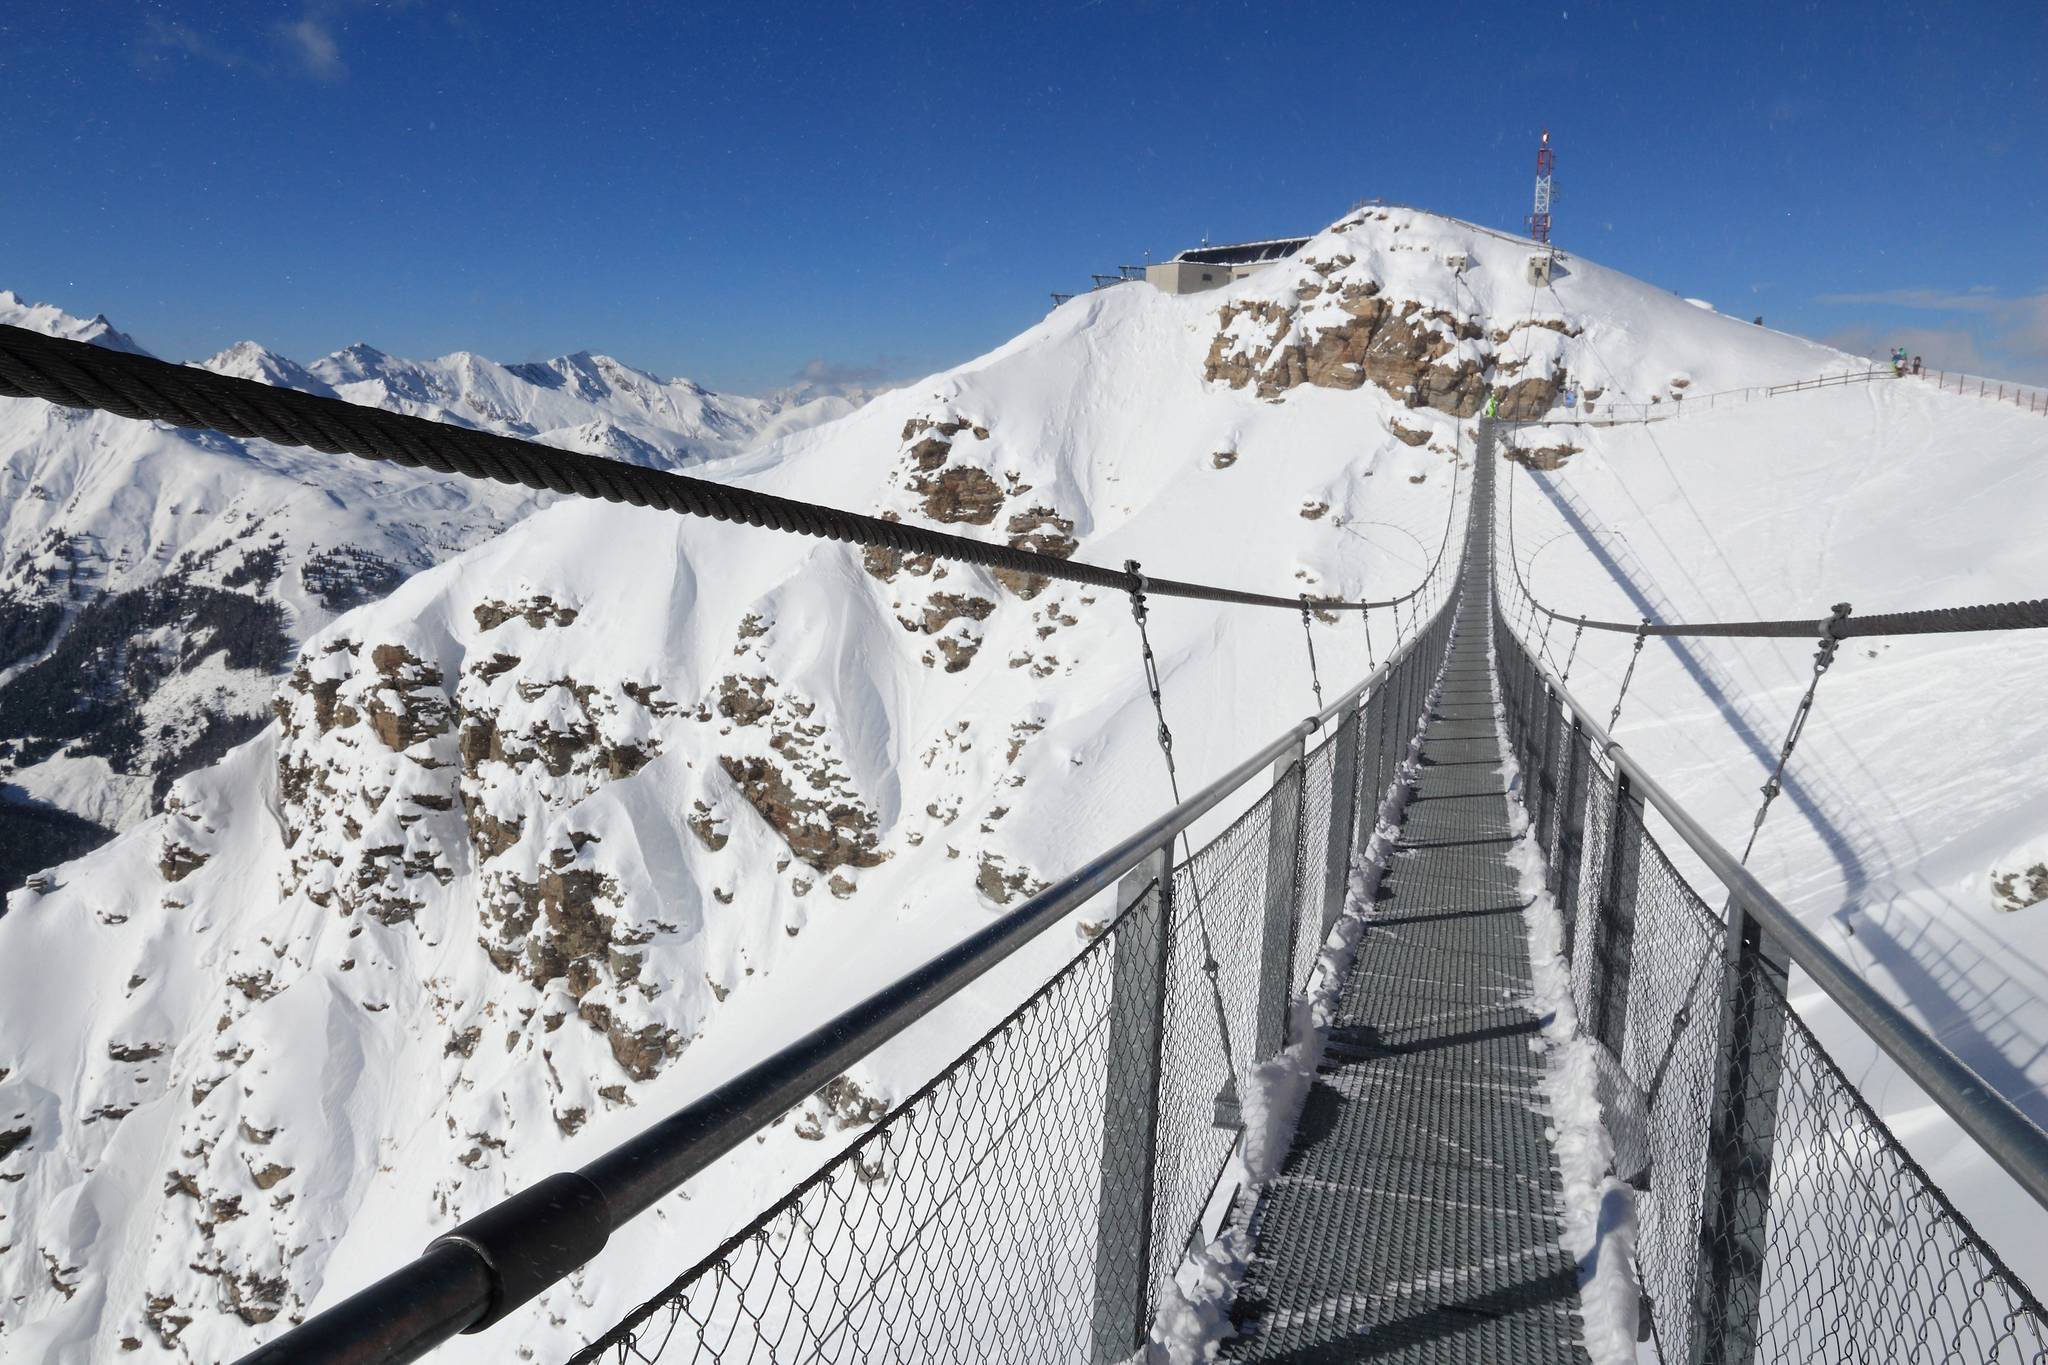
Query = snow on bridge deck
x=1418 y=1215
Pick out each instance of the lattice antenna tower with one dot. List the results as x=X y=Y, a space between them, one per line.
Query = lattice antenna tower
x=1539 y=218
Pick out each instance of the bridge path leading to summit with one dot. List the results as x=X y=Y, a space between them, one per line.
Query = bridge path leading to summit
x=1418 y=1215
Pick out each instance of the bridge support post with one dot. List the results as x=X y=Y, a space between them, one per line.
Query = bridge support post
x=1741 y=1135
x=1571 y=832
x=1546 y=773
x=1344 y=842
x=1130 y=1110
x=1283 y=900
x=1614 y=926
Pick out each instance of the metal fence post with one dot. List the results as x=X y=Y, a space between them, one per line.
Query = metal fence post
x=1546 y=775
x=1553 y=733
x=1276 y=938
x=1344 y=842
x=1571 y=831
x=1130 y=1110
x=1737 y=1204
x=1614 y=925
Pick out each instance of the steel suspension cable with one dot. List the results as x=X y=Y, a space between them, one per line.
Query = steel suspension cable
x=1571 y=657
x=1210 y=966
x=1635 y=654
x=1823 y=657
x=78 y=375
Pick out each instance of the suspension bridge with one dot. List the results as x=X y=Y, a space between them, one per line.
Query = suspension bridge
x=1354 y=938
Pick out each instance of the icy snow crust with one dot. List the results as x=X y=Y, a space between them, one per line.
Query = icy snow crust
x=502 y=885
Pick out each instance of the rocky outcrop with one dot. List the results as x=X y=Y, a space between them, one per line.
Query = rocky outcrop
x=1545 y=458
x=2020 y=888
x=1040 y=530
x=1340 y=329
x=789 y=771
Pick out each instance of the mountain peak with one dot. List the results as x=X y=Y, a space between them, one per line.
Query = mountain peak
x=253 y=360
x=51 y=320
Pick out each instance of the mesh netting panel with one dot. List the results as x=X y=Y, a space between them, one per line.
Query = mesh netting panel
x=1220 y=899
x=1658 y=1112
x=962 y=1227
x=1321 y=803
x=1865 y=1259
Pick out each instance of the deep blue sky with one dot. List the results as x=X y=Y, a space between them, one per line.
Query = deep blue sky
x=737 y=191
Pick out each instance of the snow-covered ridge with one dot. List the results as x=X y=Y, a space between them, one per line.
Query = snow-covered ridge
x=577 y=821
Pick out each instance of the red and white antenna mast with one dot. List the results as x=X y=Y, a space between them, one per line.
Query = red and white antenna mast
x=1539 y=220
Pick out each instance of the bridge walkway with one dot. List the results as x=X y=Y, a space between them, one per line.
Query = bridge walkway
x=1417 y=1216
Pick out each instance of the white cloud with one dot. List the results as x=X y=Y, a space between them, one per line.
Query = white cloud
x=310 y=41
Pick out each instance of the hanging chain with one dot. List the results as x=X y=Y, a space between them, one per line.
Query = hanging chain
x=1569 y=658
x=1309 y=635
x=1544 y=649
x=1366 y=616
x=1615 y=715
x=1210 y=967
x=1830 y=641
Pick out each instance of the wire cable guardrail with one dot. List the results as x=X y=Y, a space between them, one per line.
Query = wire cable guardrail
x=78 y=375
x=2027 y=397
x=1779 y=1218
x=2031 y=614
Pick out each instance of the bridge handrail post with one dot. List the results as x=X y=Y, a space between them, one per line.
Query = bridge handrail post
x=1344 y=841
x=1545 y=811
x=1283 y=902
x=1741 y=1133
x=1571 y=831
x=1130 y=1109
x=1614 y=924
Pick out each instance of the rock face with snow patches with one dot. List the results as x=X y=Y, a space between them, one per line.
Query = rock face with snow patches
x=572 y=823
x=154 y=582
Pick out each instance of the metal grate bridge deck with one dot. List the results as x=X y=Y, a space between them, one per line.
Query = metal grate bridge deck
x=1417 y=1217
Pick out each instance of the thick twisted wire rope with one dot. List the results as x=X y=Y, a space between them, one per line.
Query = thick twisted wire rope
x=77 y=375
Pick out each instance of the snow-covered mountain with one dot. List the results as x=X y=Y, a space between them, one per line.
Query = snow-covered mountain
x=154 y=582
x=574 y=824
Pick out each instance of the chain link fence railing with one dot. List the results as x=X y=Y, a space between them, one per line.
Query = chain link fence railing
x=1779 y=1219
x=1034 y=1201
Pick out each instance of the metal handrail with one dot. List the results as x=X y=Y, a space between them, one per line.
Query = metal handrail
x=476 y=1274
x=1987 y=1117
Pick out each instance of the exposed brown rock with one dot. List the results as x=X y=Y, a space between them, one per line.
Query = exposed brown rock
x=1541 y=457
x=536 y=611
x=1408 y=435
x=707 y=826
x=1041 y=530
x=824 y=831
x=962 y=493
x=744 y=700
x=178 y=861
